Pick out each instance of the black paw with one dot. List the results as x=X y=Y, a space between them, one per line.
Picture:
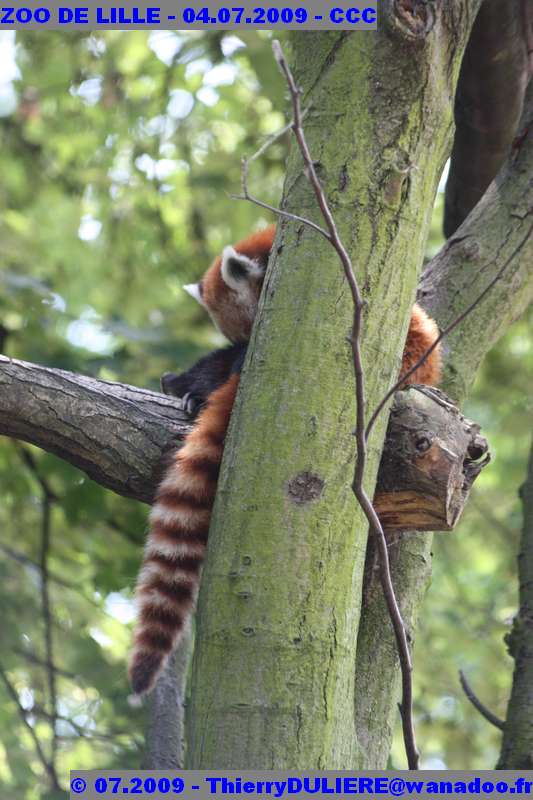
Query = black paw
x=170 y=384
x=191 y=404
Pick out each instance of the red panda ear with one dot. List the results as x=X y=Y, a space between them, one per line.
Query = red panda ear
x=194 y=289
x=237 y=269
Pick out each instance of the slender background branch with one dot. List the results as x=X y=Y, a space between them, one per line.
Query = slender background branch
x=478 y=705
x=48 y=764
x=46 y=508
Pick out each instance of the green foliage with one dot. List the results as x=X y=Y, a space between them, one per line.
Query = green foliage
x=118 y=152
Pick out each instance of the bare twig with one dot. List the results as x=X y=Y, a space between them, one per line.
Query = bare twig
x=245 y=168
x=48 y=765
x=280 y=213
x=31 y=464
x=331 y=233
x=33 y=659
x=484 y=510
x=446 y=331
x=85 y=733
x=273 y=138
x=26 y=561
x=478 y=705
x=115 y=525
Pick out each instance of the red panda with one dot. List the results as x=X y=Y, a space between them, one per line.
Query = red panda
x=180 y=516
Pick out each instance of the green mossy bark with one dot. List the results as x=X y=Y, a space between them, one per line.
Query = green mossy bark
x=499 y=224
x=273 y=671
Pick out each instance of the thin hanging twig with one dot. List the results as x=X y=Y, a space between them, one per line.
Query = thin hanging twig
x=478 y=705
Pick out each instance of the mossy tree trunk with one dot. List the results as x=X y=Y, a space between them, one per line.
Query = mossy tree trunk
x=497 y=235
x=273 y=671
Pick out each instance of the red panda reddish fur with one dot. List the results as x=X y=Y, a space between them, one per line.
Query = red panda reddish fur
x=234 y=319
x=423 y=331
x=180 y=517
x=169 y=579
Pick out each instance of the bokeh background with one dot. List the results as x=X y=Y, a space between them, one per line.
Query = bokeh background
x=119 y=153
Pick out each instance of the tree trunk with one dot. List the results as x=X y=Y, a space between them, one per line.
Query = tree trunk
x=273 y=670
x=517 y=746
x=493 y=80
x=497 y=235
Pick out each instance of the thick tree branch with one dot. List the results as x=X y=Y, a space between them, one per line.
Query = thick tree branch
x=490 y=95
x=116 y=433
x=497 y=234
x=165 y=734
x=30 y=417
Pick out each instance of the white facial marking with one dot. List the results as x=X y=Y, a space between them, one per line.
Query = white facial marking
x=194 y=290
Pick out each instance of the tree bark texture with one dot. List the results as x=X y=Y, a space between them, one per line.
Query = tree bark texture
x=488 y=106
x=125 y=449
x=115 y=433
x=498 y=229
x=517 y=745
x=431 y=457
x=165 y=741
x=497 y=232
x=273 y=670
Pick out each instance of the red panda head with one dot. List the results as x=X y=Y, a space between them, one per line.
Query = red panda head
x=230 y=288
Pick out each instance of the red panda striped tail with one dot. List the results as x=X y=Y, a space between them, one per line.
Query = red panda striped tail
x=175 y=549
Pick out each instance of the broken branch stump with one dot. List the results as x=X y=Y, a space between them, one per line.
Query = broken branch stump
x=431 y=458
